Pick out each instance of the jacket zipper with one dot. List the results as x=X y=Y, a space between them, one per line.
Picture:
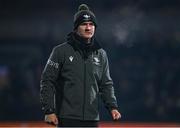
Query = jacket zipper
x=84 y=88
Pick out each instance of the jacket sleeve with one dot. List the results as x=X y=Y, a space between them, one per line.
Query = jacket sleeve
x=106 y=87
x=48 y=82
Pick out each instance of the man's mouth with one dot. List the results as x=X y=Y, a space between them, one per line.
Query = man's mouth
x=87 y=32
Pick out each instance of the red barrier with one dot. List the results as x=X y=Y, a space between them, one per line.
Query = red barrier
x=39 y=124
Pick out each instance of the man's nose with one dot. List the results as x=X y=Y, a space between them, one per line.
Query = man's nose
x=88 y=26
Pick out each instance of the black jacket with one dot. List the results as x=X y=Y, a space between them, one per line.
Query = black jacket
x=74 y=77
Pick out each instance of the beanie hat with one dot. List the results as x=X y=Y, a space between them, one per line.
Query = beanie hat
x=83 y=15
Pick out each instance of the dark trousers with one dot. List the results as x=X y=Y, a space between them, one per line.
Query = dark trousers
x=76 y=123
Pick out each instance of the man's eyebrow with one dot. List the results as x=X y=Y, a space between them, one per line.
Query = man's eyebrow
x=84 y=23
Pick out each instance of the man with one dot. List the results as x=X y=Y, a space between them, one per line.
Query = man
x=76 y=73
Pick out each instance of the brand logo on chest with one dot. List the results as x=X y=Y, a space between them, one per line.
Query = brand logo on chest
x=96 y=61
x=71 y=58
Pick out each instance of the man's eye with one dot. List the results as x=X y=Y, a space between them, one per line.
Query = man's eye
x=91 y=24
x=83 y=24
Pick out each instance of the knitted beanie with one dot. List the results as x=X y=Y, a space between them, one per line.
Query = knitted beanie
x=83 y=15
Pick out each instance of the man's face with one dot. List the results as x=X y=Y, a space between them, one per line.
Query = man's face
x=86 y=30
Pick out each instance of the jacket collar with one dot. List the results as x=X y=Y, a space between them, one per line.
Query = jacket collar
x=78 y=42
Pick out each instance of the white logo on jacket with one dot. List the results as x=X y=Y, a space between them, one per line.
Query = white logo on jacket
x=96 y=61
x=71 y=58
x=52 y=63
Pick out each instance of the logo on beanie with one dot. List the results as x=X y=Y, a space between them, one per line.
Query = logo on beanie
x=86 y=16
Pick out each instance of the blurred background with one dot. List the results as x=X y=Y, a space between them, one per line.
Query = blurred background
x=141 y=37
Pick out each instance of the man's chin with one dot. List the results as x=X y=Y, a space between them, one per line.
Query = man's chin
x=87 y=37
